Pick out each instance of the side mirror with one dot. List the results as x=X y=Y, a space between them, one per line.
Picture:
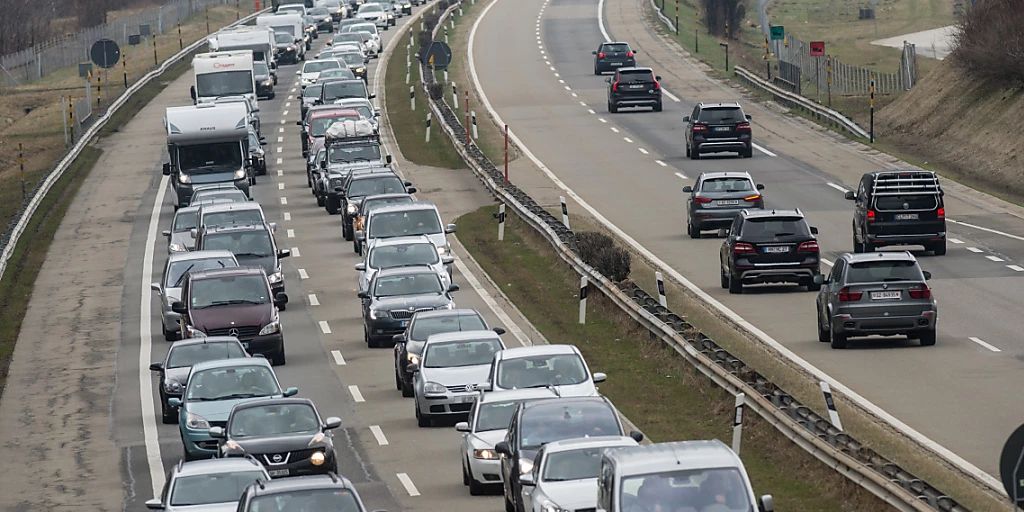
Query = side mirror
x=499 y=331
x=192 y=92
x=360 y=267
x=850 y=196
x=593 y=52
x=748 y=117
x=280 y=299
x=820 y=279
x=411 y=190
x=273 y=65
x=273 y=227
x=453 y=287
x=360 y=235
x=299 y=72
x=332 y=423
x=526 y=480
x=154 y=504
x=284 y=253
x=688 y=189
x=388 y=159
x=462 y=426
x=156 y=367
x=174 y=402
x=686 y=119
x=766 y=503
x=608 y=80
x=447 y=260
x=298 y=123
x=759 y=186
x=723 y=232
x=371 y=96
x=657 y=78
x=413 y=367
x=194 y=233
x=292 y=391
x=450 y=228
x=502 y=448
x=599 y=377
x=155 y=287
x=398 y=338
x=636 y=435
x=927 y=275
x=179 y=308
x=814 y=230
x=216 y=432
x=363 y=295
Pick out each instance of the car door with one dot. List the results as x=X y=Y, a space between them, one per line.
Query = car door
x=834 y=285
x=860 y=209
x=726 y=251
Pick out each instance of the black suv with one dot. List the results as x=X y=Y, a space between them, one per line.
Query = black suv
x=634 y=87
x=901 y=207
x=770 y=246
x=718 y=128
x=315 y=492
x=360 y=185
x=394 y=295
x=612 y=56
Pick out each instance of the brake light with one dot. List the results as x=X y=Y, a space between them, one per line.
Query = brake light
x=600 y=55
x=629 y=53
x=742 y=248
x=743 y=127
x=615 y=86
x=845 y=295
x=697 y=127
x=871 y=215
x=920 y=292
x=810 y=246
x=702 y=200
x=754 y=197
x=941 y=213
x=657 y=85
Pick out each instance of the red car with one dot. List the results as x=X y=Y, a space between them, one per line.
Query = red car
x=318 y=119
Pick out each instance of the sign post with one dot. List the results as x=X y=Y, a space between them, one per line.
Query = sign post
x=778 y=33
x=506 y=154
x=817 y=50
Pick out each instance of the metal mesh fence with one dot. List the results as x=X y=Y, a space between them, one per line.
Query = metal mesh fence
x=831 y=73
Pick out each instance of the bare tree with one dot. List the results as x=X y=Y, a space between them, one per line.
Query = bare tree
x=989 y=41
x=723 y=17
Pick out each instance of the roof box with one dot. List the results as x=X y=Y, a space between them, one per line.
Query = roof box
x=350 y=128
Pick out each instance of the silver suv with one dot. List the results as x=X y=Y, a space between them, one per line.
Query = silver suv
x=881 y=294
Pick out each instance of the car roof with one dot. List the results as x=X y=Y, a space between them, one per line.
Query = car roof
x=225 y=272
x=214 y=466
x=199 y=255
x=438 y=313
x=226 y=207
x=386 y=196
x=411 y=269
x=509 y=395
x=674 y=456
x=536 y=350
x=725 y=174
x=462 y=336
x=346 y=101
x=232 y=363
x=274 y=401
x=186 y=209
x=373 y=174
x=402 y=240
x=349 y=80
x=577 y=443
x=237 y=227
x=331 y=111
x=880 y=256
x=719 y=104
x=415 y=205
x=203 y=341
x=760 y=214
x=615 y=42
x=302 y=482
x=634 y=68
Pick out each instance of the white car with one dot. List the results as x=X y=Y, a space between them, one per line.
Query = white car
x=451 y=361
x=401 y=252
x=565 y=474
x=370 y=28
x=559 y=366
x=374 y=13
x=486 y=427
x=311 y=70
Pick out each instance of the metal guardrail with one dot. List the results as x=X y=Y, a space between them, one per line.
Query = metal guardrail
x=796 y=100
x=26 y=216
x=797 y=422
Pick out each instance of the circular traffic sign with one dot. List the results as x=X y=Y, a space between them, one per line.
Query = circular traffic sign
x=105 y=53
x=1011 y=467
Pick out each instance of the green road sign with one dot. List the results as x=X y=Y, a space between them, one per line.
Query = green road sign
x=778 y=32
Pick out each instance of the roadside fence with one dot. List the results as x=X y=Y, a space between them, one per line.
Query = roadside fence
x=829 y=73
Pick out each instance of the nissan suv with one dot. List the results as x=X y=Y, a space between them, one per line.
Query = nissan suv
x=634 y=87
x=612 y=56
x=901 y=207
x=717 y=198
x=770 y=246
x=718 y=128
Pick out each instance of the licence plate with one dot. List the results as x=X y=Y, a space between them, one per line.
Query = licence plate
x=727 y=203
x=403 y=323
x=278 y=472
x=888 y=295
x=245 y=345
x=722 y=128
x=907 y=216
x=467 y=399
x=776 y=249
x=637 y=86
x=613 y=64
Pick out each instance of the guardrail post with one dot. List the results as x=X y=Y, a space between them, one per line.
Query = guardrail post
x=565 y=212
x=466 y=124
x=872 y=101
x=501 y=222
x=476 y=132
x=583 y=300
x=428 y=128
x=64 y=110
x=661 y=289
x=21 y=171
x=124 y=68
x=181 y=43
x=737 y=423
x=455 y=97
x=833 y=414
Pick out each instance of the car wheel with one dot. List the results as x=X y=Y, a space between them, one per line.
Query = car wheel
x=823 y=334
x=613 y=108
x=838 y=338
x=271 y=96
x=422 y=420
x=724 y=278
x=927 y=338
x=332 y=208
x=357 y=247
x=692 y=230
x=171 y=335
x=168 y=414
x=309 y=180
x=735 y=285
x=346 y=230
x=747 y=153
x=657 y=107
x=509 y=507
x=367 y=338
x=465 y=473
x=398 y=377
x=476 y=488
x=597 y=71
x=278 y=359
x=938 y=248
x=320 y=200
x=407 y=391
x=812 y=286
x=687 y=150
x=694 y=154
x=857 y=246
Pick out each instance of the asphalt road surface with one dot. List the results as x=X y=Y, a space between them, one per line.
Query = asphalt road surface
x=534 y=63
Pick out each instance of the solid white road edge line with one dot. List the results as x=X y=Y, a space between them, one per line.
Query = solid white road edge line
x=378 y=434
x=486 y=296
x=955 y=240
x=324 y=327
x=982 y=342
x=156 y=465
x=356 y=394
x=707 y=298
x=338 y=359
x=837 y=187
x=406 y=481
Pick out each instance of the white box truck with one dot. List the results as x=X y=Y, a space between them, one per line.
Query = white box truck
x=223 y=74
x=207 y=143
x=290 y=25
x=246 y=37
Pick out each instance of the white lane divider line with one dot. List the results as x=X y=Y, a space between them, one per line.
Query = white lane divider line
x=627 y=139
x=603 y=120
x=285 y=113
x=378 y=434
x=614 y=129
x=574 y=95
x=994 y=258
x=280 y=186
x=982 y=342
x=280 y=160
x=280 y=172
x=997 y=232
x=642 y=150
x=826 y=262
x=681 y=176
x=672 y=96
x=296 y=253
x=407 y=483
x=313 y=301
x=583 y=103
x=280 y=149
x=590 y=110
x=974 y=249
x=955 y=240
x=303 y=274
x=280 y=130
x=287 y=104
x=283 y=121
x=568 y=88
x=338 y=359
x=552 y=68
x=293 y=89
x=326 y=329
x=356 y=394
x=659 y=162
x=1015 y=268
x=291 y=233
x=287 y=216
x=763 y=150
x=837 y=187
x=284 y=200
x=561 y=81
x=280 y=139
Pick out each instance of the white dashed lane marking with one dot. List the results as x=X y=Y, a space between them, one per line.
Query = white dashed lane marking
x=287 y=216
x=955 y=240
x=284 y=200
x=291 y=233
x=642 y=150
x=982 y=342
x=338 y=359
x=681 y=176
x=994 y=258
x=614 y=129
x=837 y=187
x=627 y=139
x=313 y=301
x=280 y=186
x=303 y=274
x=407 y=483
x=296 y=253
x=974 y=249
x=356 y=394
x=659 y=162
x=1015 y=268
x=325 y=328
x=378 y=434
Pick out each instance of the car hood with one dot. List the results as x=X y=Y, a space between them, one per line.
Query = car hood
x=220 y=409
x=212 y=177
x=267 y=263
x=456 y=376
x=274 y=444
x=438 y=239
x=210 y=507
x=574 y=494
x=411 y=302
x=221 y=317
x=179 y=375
x=490 y=438
x=311 y=76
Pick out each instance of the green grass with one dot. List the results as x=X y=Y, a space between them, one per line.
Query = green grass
x=649 y=382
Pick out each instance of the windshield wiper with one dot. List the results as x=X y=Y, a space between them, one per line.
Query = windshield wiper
x=183 y=274
x=257 y=254
x=234 y=396
x=234 y=301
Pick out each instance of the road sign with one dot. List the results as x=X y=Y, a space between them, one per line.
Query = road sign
x=105 y=53
x=1011 y=467
x=778 y=32
x=439 y=55
x=817 y=48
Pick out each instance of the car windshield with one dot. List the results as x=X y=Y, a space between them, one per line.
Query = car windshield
x=210 y=158
x=232 y=383
x=212 y=487
x=183 y=356
x=339 y=90
x=237 y=217
x=711 y=490
x=334 y=500
x=881 y=271
x=185 y=220
x=321 y=124
x=274 y=420
x=351 y=58
x=224 y=195
x=636 y=75
x=775 y=227
x=253 y=244
x=390 y=256
x=370 y=8
x=312 y=91
x=224 y=83
x=540 y=371
x=346 y=153
x=368 y=28
x=376 y=185
x=404 y=223
x=721 y=115
x=907 y=202
x=283 y=38
x=342 y=72
x=452 y=354
x=261 y=68
x=176 y=271
x=572 y=465
x=369 y=204
x=346 y=36
x=314 y=66
x=229 y=291
x=553 y=422
x=423 y=328
x=407 y=284
x=495 y=415
x=726 y=185
x=318 y=11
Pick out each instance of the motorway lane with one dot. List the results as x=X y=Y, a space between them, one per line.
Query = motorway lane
x=551 y=56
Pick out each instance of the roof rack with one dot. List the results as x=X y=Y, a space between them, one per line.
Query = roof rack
x=905 y=182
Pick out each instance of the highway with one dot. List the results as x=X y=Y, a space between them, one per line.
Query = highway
x=533 y=62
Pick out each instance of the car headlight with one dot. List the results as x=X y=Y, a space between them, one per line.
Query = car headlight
x=485 y=454
x=196 y=422
x=184 y=178
x=525 y=466
x=194 y=333
x=239 y=174
x=433 y=388
x=172 y=387
x=275 y=278
x=412 y=358
x=351 y=208
x=375 y=313
x=441 y=251
x=176 y=248
x=271 y=328
x=360 y=70
x=291 y=48
x=317 y=459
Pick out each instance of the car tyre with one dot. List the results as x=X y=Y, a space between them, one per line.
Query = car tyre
x=168 y=414
x=694 y=154
x=823 y=333
x=171 y=335
x=735 y=285
x=657 y=107
x=692 y=230
x=613 y=108
x=398 y=377
x=927 y=338
x=596 y=70
x=272 y=95
x=812 y=286
x=465 y=473
x=320 y=200
x=725 y=279
x=938 y=248
x=857 y=246
x=747 y=153
x=421 y=419
x=476 y=488
x=346 y=230
x=509 y=506
x=357 y=247
x=278 y=359
x=332 y=208
x=838 y=339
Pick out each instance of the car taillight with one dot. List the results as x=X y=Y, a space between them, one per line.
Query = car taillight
x=920 y=292
x=657 y=85
x=742 y=248
x=702 y=200
x=845 y=295
x=615 y=86
x=629 y=53
x=871 y=215
x=697 y=127
x=809 y=246
x=941 y=212
x=754 y=197
x=600 y=55
x=743 y=127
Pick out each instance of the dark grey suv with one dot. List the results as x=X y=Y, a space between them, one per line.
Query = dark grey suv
x=770 y=246
x=718 y=128
x=717 y=198
x=881 y=294
x=395 y=295
x=634 y=87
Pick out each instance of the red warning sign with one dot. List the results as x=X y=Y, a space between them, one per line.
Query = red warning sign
x=817 y=48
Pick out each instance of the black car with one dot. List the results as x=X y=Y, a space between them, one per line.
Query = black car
x=900 y=207
x=409 y=344
x=536 y=423
x=394 y=295
x=634 y=87
x=287 y=436
x=173 y=370
x=717 y=197
x=319 y=492
x=770 y=246
x=355 y=62
x=252 y=244
x=332 y=184
x=324 y=19
x=310 y=95
x=358 y=186
x=718 y=128
x=265 y=80
x=612 y=56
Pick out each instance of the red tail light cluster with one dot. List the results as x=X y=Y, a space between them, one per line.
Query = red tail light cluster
x=871 y=215
x=941 y=213
x=845 y=295
x=615 y=86
x=629 y=53
x=600 y=55
x=743 y=127
x=920 y=292
x=742 y=248
x=702 y=200
x=810 y=246
x=657 y=85
x=697 y=127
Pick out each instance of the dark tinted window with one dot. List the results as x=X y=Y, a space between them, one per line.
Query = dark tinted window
x=190 y=355
x=229 y=291
x=377 y=185
x=637 y=75
x=615 y=48
x=460 y=353
x=178 y=269
x=314 y=66
x=353 y=153
x=552 y=422
x=312 y=91
x=337 y=90
x=369 y=204
x=721 y=115
x=407 y=223
x=212 y=488
x=875 y=271
x=407 y=284
x=541 y=370
x=351 y=58
x=726 y=185
x=239 y=217
x=423 y=328
x=572 y=465
x=910 y=202
x=261 y=68
x=775 y=227
x=242 y=243
x=495 y=415
x=390 y=256
x=271 y=420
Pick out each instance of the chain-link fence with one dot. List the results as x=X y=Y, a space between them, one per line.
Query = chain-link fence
x=830 y=73
x=43 y=59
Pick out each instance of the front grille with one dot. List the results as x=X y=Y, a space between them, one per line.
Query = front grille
x=221 y=424
x=243 y=332
x=281 y=458
x=460 y=407
x=457 y=389
x=405 y=314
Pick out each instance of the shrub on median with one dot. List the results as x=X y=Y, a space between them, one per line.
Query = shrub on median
x=599 y=251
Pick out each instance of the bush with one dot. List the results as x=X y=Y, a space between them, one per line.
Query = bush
x=989 y=41
x=599 y=251
x=723 y=17
x=590 y=243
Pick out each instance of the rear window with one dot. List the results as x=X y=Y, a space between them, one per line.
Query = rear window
x=721 y=115
x=910 y=202
x=726 y=185
x=639 y=75
x=880 y=271
x=423 y=328
x=615 y=48
x=775 y=227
